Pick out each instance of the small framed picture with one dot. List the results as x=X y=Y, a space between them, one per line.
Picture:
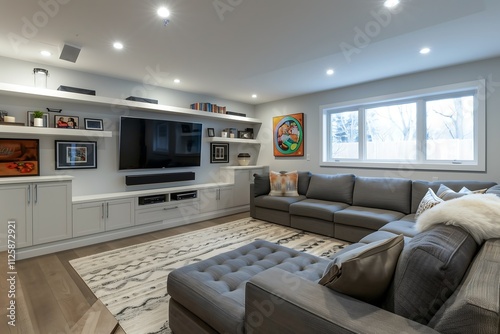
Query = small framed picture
x=211 y=132
x=219 y=153
x=93 y=124
x=66 y=122
x=76 y=154
x=245 y=134
x=31 y=119
x=19 y=157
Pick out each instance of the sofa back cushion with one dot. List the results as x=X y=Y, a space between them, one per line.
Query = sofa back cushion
x=262 y=185
x=429 y=270
x=383 y=193
x=419 y=188
x=331 y=187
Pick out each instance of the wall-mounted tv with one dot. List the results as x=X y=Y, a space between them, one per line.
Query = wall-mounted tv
x=158 y=143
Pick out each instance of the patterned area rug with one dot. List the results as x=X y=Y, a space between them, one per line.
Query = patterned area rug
x=132 y=281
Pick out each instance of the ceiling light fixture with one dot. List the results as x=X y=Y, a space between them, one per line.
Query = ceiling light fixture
x=45 y=53
x=177 y=81
x=163 y=12
x=330 y=71
x=118 y=45
x=425 y=51
x=391 y=3
x=254 y=96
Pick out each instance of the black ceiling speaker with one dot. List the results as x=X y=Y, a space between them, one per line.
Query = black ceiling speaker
x=69 y=53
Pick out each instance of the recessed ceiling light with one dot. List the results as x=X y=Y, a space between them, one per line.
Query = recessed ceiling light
x=45 y=53
x=254 y=96
x=425 y=51
x=163 y=12
x=391 y=3
x=177 y=81
x=118 y=45
x=330 y=71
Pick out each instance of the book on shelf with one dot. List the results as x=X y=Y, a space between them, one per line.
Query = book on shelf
x=208 y=107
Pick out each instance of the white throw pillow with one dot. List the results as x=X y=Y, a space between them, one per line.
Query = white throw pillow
x=428 y=201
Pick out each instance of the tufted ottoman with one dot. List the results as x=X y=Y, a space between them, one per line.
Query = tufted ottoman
x=209 y=296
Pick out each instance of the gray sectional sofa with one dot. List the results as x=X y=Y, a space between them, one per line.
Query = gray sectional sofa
x=444 y=282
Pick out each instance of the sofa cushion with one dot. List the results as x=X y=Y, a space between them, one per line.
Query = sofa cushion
x=316 y=208
x=369 y=218
x=446 y=193
x=430 y=268
x=283 y=183
x=280 y=203
x=381 y=235
x=261 y=184
x=364 y=272
x=430 y=200
x=404 y=227
x=494 y=190
x=383 y=193
x=334 y=188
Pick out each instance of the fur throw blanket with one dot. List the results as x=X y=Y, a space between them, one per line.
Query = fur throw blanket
x=478 y=214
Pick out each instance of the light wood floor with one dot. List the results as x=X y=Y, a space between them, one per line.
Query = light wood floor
x=50 y=296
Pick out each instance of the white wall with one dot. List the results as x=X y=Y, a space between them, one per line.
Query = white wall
x=106 y=178
x=310 y=104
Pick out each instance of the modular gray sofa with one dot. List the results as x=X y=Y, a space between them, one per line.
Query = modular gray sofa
x=345 y=206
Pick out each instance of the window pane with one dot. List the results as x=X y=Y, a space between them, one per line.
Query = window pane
x=450 y=129
x=344 y=135
x=391 y=132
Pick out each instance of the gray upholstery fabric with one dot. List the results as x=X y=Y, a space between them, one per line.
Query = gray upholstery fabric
x=404 y=227
x=214 y=289
x=494 y=190
x=475 y=305
x=371 y=218
x=381 y=235
x=281 y=203
x=303 y=183
x=271 y=215
x=316 y=208
x=334 y=188
x=419 y=188
x=430 y=268
x=314 y=225
x=383 y=193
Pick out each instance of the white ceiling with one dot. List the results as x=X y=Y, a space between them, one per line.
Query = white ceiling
x=273 y=48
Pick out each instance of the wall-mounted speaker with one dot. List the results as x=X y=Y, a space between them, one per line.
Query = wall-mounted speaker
x=133 y=180
x=69 y=53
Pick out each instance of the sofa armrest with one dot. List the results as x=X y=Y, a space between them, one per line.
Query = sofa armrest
x=277 y=301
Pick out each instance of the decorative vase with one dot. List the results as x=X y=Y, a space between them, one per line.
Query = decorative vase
x=243 y=159
x=38 y=122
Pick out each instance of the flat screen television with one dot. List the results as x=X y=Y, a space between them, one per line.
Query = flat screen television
x=156 y=143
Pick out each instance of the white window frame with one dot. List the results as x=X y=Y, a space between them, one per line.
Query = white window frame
x=418 y=96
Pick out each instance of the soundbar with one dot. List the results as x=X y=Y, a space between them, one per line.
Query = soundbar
x=132 y=180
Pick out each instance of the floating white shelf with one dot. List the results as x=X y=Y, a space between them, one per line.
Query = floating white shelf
x=232 y=140
x=60 y=96
x=54 y=131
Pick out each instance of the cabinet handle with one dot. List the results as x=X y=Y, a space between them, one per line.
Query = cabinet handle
x=36 y=193
x=218 y=195
x=29 y=194
x=172 y=208
x=102 y=213
x=107 y=209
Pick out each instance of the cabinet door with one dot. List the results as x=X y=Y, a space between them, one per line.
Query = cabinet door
x=88 y=218
x=15 y=203
x=242 y=181
x=119 y=214
x=225 y=198
x=52 y=218
x=208 y=199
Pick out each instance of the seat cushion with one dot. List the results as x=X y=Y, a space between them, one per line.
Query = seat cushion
x=214 y=289
x=316 y=208
x=370 y=218
x=404 y=227
x=276 y=203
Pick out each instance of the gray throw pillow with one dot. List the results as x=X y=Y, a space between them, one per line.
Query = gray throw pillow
x=364 y=272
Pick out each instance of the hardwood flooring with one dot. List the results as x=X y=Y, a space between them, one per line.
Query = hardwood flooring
x=50 y=297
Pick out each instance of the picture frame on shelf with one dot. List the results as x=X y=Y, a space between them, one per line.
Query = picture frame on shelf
x=219 y=153
x=30 y=119
x=245 y=134
x=76 y=154
x=210 y=132
x=93 y=124
x=66 y=122
x=21 y=157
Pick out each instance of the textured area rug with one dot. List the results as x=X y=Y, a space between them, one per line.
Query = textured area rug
x=132 y=281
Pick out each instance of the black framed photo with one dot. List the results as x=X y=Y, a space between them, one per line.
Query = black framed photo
x=76 y=154
x=245 y=134
x=93 y=124
x=66 y=122
x=211 y=132
x=219 y=153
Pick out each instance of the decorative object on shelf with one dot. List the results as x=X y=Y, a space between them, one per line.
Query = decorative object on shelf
x=76 y=90
x=141 y=99
x=224 y=134
x=19 y=157
x=211 y=132
x=3 y=113
x=66 y=122
x=54 y=110
x=219 y=153
x=9 y=119
x=247 y=134
x=235 y=113
x=38 y=118
x=288 y=135
x=40 y=75
x=209 y=107
x=76 y=154
x=244 y=159
x=93 y=124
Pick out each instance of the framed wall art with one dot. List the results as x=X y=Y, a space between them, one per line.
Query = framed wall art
x=219 y=153
x=19 y=157
x=31 y=119
x=210 y=132
x=93 y=124
x=288 y=135
x=66 y=122
x=76 y=154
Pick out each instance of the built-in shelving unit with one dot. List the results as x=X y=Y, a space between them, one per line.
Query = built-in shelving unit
x=54 y=131
x=233 y=140
x=60 y=96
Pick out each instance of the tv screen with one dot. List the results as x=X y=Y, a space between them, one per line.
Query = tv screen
x=154 y=143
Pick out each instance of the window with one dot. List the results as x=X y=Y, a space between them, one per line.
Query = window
x=437 y=128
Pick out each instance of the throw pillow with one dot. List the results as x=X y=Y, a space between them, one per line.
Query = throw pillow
x=428 y=201
x=446 y=193
x=466 y=191
x=364 y=272
x=283 y=183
